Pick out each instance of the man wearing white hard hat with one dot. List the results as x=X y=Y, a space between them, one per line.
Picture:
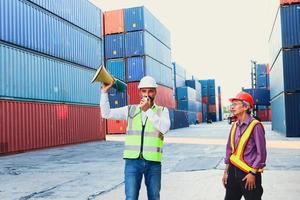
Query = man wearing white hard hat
x=146 y=125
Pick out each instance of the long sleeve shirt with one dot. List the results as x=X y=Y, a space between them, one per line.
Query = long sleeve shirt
x=255 y=153
x=161 y=123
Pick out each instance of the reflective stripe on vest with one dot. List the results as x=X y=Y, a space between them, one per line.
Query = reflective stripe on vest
x=153 y=139
x=237 y=156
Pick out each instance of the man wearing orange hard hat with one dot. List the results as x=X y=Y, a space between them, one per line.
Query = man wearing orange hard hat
x=245 y=152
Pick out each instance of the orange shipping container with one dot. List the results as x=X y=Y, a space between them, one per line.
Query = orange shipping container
x=199 y=117
x=114 y=22
x=284 y=2
x=116 y=126
x=212 y=108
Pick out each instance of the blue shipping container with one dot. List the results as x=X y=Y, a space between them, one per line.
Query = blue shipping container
x=261 y=69
x=262 y=81
x=181 y=119
x=138 y=67
x=204 y=87
x=211 y=100
x=204 y=112
x=143 y=43
x=81 y=13
x=187 y=105
x=192 y=117
x=179 y=81
x=285 y=73
x=285 y=32
x=186 y=93
x=286 y=114
x=117 y=68
x=27 y=25
x=27 y=75
x=171 y=116
x=198 y=106
x=212 y=116
x=260 y=96
x=178 y=70
x=193 y=84
x=117 y=99
x=114 y=46
x=139 y=19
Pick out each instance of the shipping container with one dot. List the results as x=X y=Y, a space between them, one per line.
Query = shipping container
x=286 y=114
x=164 y=95
x=171 y=116
x=116 y=67
x=116 y=126
x=260 y=96
x=143 y=43
x=26 y=125
x=212 y=108
x=285 y=32
x=264 y=115
x=28 y=25
x=193 y=84
x=186 y=93
x=261 y=69
x=28 y=75
x=263 y=81
x=181 y=119
x=81 y=13
x=204 y=87
x=187 y=105
x=211 y=99
x=114 y=21
x=192 y=118
x=204 y=112
x=179 y=70
x=205 y=100
x=286 y=2
x=285 y=73
x=114 y=46
x=199 y=117
x=117 y=99
x=139 y=19
x=212 y=116
x=138 y=67
x=198 y=106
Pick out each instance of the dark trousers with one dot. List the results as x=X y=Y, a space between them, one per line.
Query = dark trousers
x=235 y=187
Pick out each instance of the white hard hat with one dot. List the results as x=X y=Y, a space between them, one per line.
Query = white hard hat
x=147 y=82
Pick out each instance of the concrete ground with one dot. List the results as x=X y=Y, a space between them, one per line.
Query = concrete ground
x=192 y=168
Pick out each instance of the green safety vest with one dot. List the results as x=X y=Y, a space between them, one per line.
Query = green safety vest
x=148 y=145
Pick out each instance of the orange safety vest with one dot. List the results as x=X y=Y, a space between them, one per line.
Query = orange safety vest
x=237 y=156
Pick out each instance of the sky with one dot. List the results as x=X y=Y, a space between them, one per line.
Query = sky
x=213 y=39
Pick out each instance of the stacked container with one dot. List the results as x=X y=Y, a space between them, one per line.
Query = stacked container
x=204 y=92
x=45 y=87
x=284 y=73
x=220 y=110
x=209 y=88
x=136 y=45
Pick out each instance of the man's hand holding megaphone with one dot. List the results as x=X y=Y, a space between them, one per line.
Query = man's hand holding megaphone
x=106 y=87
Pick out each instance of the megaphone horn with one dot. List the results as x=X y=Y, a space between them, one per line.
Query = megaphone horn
x=102 y=75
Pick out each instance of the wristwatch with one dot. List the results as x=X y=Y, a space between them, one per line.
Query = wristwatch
x=251 y=172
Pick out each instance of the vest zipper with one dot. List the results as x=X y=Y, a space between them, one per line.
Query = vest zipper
x=142 y=138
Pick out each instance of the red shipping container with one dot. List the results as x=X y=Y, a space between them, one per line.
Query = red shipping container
x=199 y=117
x=212 y=108
x=164 y=95
x=116 y=126
x=264 y=115
x=28 y=125
x=284 y=2
x=268 y=68
x=205 y=100
x=113 y=22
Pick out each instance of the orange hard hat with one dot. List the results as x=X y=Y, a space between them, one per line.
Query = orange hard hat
x=244 y=96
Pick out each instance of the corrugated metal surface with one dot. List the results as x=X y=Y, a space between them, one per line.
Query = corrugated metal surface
x=263 y=81
x=179 y=70
x=286 y=114
x=117 y=99
x=139 y=18
x=198 y=106
x=285 y=33
x=143 y=43
x=164 y=95
x=117 y=68
x=116 y=126
x=192 y=117
x=285 y=74
x=211 y=99
x=31 y=76
x=260 y=96
x=204 y=112
x=204 y=88
x=114 y=21
x=138 y=67
x=205 y=100
x=114 y=46
x=212 y=116
x=212 y=108
x=171 y=116
x=82 y=13
x=30 y=26
x=199 y=117
x=193 y=84
x=264 y=115
x=27 y=126
x=181 y=119
x=187 y=105
x=261 y=69
x=283 y=2
x=186 y=93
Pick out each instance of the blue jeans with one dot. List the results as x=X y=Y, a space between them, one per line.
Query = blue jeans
x=134 y=171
